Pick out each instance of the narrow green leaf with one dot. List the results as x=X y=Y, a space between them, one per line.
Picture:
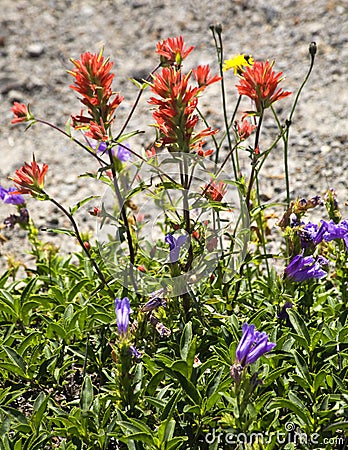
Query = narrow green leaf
x=287 y=404
x=180 y=366
x=87 y=395
x=155 y=381
x=170 y=406
x=302 y=367
x=299 y=324
x=59 y=231
x=142 y=437
x=176 y=443
x=15 y=358
x=78 y=205
x=40 y=405
x=189 y=388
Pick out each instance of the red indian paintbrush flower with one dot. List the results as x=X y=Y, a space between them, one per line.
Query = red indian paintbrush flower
x=203 y=76
x=244 y=129
x=173 y=51
x=215 y=190
x=97 y=132
x=21 y=113
x=260 y=83
x=174 y=115
x=93 y=81
x=30 y=178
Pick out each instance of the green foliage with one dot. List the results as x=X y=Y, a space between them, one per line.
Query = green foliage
x=71 y=380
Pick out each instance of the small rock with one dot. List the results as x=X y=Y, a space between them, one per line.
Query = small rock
x=35 y=50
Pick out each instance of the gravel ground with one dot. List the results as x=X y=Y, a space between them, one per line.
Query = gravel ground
x=37 y=38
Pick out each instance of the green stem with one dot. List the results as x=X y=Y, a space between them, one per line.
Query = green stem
x=312 y=51
x=44 y=122
x=219 y=49
x=124 y=219
x=78 y=237
x=254 y=162
x=135 y=104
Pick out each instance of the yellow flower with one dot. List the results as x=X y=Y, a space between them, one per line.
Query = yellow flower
x=238 y=63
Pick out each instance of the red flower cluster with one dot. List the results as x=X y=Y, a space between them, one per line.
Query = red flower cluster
x=93 y=81
x=175 y=114
x=21 y=113
x=244 y=129
x=215 y=190
x=173 y=51
x=260 y=83
x=30 y=178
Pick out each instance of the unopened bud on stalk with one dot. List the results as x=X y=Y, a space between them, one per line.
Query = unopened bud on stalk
x=218 y=28
x=312 y=49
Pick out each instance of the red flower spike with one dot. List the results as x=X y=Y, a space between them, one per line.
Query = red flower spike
x=260 y=83
x=97 y=132
x=203 y=76
x=30 y=178
x=173 y=51
x=151 y=153
x=93 y=81
x=215 y=190
x=244 y=129
x=21 y=113
x=174 y=115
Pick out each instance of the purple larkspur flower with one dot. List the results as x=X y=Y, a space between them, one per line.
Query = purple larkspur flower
x=122 y=309
x=344 y=226
x=303 y=268
x=175 y=245
x=99 y=146
x=12 y=199
x=252 y=345
x=311 y=233
x=123 y=153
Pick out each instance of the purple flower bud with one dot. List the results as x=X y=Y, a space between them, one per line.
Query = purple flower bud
x=174 y=246
x=122 y=309
x=283 y=315
x=135 y=352
x=252 y=345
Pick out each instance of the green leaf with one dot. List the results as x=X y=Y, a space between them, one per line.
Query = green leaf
x=302 y=367
x=280 y=403
x=87 y=395
x=170 y=406
x=15 y=358
x=176 y=443
x=155 y=381
x=189 y=388
x=76 y=289
x=15 y=414
x=142 y=437
x=180 y=366
x=59 y=231
x=299 y=324
x=78 y=205
x=319 y=380
x=185 y=340
x=39 y=408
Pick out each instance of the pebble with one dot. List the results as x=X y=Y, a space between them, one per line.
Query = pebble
x=35 y=50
